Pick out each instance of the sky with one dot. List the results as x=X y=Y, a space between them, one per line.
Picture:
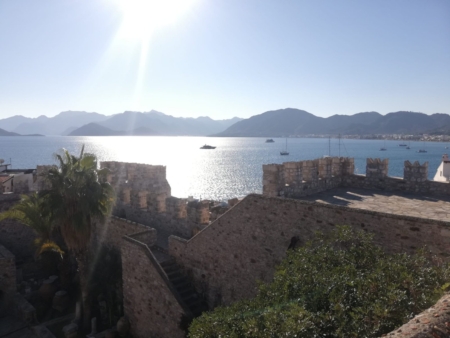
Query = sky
x=224 y=58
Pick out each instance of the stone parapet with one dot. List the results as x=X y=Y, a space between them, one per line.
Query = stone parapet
x=415 y=172
x=297 y=179
x=377 y=168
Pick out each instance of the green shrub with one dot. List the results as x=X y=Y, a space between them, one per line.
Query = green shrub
x=339 y=285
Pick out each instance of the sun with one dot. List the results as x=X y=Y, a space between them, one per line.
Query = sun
x=141 y=18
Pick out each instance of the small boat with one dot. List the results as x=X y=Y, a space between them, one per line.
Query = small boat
x=269 y=140
x=284 y=152
x=423 y=149
x=383 y=149
x=408 y=147
x=206 y=146
x=402 y=145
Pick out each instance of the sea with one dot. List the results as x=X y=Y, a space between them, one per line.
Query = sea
x=233 y=169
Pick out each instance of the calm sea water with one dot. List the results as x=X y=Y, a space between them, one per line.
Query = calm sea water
x=233 y=169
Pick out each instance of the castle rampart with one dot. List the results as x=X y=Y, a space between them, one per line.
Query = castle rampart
x=298 y=179
x=225 y=258
x=289 y=179
x=246 y=243
x=144 y=196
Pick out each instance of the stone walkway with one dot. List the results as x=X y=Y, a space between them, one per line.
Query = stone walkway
x=392 y=203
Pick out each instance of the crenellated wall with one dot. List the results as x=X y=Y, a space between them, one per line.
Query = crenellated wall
x=144 y=196
x=298 y=179
x=377 y=168
x=304 y=178
x=415 y=172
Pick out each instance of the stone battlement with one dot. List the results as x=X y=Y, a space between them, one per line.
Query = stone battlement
x=377 y=167
x=415 y=171
x=144 y=196
x=304 y=178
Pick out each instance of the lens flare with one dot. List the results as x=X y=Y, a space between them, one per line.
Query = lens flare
x=142 y=17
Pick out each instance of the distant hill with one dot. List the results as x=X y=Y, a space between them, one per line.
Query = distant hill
x=155 y=123
x=49 y=125
x=167 y=125
x=94 y=129
x=8 y=133
x=289 y=121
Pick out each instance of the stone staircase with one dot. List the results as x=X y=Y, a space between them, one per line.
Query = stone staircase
x=190 y=297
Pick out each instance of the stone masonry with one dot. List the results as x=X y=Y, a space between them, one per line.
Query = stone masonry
x=288 y=179
x=8 y=286
x=16 y=237
x=144 y=196
x=225 y=258
x=244 y=245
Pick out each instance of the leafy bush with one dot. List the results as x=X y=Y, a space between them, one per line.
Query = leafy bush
x=340 y=285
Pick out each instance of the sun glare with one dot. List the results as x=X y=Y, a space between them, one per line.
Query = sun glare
x=142 y=17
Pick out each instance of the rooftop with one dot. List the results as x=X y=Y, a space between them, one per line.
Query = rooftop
x=388 y=202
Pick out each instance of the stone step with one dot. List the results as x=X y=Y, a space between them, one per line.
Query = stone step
x=187 y=293
x=184 y=289
x=177 y=281
x=172 y=274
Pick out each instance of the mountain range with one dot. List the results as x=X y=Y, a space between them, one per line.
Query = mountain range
x=275 y=123
x=290 y=121
x=82 y=123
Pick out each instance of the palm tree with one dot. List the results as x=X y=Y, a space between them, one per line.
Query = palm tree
x=32 y=210
x=79 y=195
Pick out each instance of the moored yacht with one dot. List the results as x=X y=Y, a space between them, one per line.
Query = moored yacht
x=206 y=146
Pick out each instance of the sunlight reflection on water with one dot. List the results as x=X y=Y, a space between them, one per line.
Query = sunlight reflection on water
x=233 y=169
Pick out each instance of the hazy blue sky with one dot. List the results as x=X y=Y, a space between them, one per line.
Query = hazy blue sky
x=225 y=58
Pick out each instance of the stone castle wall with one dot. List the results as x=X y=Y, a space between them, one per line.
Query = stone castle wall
x=289 y=179
x=298 y=179
x=14 y=236
x=149 y=304
x=245 y=244
x=40 y=183
x=112 y=231
x=144 y=196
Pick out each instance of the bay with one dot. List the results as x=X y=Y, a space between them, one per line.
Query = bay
x=233 y=169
